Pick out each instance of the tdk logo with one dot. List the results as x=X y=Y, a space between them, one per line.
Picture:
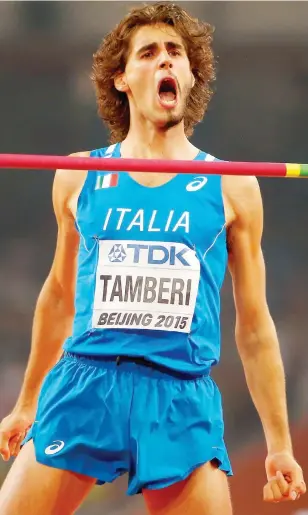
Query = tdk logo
x=158 y=254
x=117 y=254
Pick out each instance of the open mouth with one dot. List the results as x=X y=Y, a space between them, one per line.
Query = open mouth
x=167 y=92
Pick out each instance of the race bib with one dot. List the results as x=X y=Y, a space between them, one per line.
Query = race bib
x=145 y=285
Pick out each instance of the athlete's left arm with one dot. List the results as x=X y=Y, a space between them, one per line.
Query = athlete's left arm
x=256 y=336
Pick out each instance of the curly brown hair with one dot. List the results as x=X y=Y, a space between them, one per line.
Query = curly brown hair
x=111 y=57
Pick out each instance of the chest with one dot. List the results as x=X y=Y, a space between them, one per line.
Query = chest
x=178 y=211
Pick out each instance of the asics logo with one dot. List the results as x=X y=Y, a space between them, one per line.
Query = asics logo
x=196 y=184
x=55 y=447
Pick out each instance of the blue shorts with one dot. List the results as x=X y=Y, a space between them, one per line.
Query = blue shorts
x=101 y=419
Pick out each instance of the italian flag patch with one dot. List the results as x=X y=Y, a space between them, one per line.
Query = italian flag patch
x=106 y=181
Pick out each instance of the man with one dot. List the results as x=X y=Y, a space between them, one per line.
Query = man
x=139 y=263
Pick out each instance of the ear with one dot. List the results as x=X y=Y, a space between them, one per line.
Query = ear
x=120 y=83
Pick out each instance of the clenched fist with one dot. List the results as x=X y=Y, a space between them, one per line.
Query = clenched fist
x=285 y=478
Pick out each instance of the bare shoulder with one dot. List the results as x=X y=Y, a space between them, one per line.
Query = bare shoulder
x=67 y=186
x=242 y=198
x=67 y=180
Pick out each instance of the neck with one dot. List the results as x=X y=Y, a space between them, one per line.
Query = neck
x=144 y=141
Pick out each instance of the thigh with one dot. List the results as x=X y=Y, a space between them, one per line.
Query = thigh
x=204 y=492
x=36 y=489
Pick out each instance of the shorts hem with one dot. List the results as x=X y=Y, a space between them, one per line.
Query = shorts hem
x=160 y=484
x=74 y=468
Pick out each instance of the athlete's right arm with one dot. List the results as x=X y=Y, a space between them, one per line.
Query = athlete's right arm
x=55 y=305
x=54 y=310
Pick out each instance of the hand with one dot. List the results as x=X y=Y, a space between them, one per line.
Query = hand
x=13 y=430
x=285 y=478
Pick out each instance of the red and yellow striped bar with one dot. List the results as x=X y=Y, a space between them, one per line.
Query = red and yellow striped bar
x=296 y=170
x=43 y=162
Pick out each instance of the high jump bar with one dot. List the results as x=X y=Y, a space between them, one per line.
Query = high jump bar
x=49 y=162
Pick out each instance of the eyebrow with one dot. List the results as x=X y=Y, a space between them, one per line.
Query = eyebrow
x=153 y=46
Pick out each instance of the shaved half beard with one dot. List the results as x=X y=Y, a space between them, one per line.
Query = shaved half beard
x=176 y=119
x=172 y=122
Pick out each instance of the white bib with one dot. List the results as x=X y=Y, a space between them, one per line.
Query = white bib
x=145 y=285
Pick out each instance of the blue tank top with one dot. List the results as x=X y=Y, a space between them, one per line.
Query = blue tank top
x=151 y=264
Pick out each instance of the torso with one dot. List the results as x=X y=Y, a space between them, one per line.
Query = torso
x=154 y=246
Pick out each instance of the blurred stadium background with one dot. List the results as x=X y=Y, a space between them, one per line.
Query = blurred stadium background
x=259 y=112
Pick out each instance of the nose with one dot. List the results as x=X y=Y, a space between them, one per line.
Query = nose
x=165 y=61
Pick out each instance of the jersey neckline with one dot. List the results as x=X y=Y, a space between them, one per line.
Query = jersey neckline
x=117 y=153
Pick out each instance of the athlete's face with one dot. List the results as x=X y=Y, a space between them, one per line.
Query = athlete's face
x=157 y=78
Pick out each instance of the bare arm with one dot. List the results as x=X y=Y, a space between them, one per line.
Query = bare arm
x=255 y=333
x=55 y=306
